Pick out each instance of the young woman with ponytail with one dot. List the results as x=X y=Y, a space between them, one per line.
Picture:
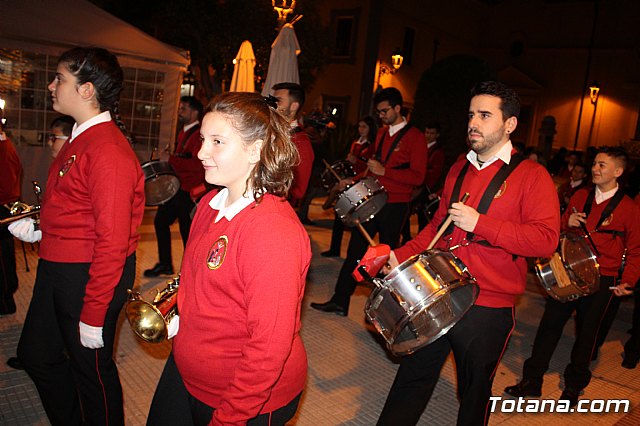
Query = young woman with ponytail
x=88 y=236
x=237 y=356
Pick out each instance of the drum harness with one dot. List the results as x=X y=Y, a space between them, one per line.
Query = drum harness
x=394 y=145
x=613 y=203
x=485 y=201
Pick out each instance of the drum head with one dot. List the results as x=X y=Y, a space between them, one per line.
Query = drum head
x=434 y=317
x=580 y=262
x=160 y=189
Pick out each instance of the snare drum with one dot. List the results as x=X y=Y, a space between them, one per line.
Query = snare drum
x=572 y=271
x=361 y=201
x=421 y=299
x=342 y=168
x=160 y=182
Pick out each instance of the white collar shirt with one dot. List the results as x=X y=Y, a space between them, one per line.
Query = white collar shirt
x=219 y=201
x=503 y=154
x=601 y=197
x=397 y=127
x=103 y=117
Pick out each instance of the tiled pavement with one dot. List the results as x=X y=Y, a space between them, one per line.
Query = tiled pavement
x=349 y=369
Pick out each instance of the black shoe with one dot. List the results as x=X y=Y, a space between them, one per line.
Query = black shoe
x=15 y=363
x=158 y=270
x=330 y=307
x=307 y=221
x=630 y=362
x=570 y=395
x=330 y=253
x=524 y=389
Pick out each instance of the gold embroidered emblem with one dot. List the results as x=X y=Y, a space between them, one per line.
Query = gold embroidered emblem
x=501 y=190
x=217 y=253
x=608 y=220
x=67 y=165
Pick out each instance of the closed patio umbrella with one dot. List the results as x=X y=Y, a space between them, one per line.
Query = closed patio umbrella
x=242 y=80
x=283 y=62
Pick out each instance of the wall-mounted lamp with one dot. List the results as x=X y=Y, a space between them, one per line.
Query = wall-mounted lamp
x=188 y=86
x=594 y=92
x=396 y=63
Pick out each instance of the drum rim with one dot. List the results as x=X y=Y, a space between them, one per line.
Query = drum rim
x=399 y=326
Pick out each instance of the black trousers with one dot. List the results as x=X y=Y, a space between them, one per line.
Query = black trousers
x=388 y=222
x=337 y=231
x=73 y=381
x=179 y=207
x=8 y=275
x=590 y=311
x=173 y=405
x=478 y=341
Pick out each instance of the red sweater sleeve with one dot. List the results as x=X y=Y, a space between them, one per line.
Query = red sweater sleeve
x=112 y=183
x=302 y=172
x=273 y=292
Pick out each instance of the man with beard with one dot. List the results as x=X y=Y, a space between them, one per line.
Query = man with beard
x=512 y=212
x=290 y=98
x=399 y=164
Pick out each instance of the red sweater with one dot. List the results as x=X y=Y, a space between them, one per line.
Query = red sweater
x=185 y=160
x=239 y=349
x=10 y=172
x=92 y=212
x=406 y=166
x=625 y=218
x=524 y=221
x=301 y=172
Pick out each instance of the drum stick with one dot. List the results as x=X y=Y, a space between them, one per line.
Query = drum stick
x=365 y=234
x=583 y=226
x=446 y=224
x=333 y=172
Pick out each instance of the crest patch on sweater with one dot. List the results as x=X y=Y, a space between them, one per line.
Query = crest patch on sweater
x=67 y=165
x=501 y=190
x=608 y=220
x=217 y=252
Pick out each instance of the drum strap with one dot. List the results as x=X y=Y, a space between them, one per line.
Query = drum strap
x=613 y=203
x=489 y=193
x=394 y=145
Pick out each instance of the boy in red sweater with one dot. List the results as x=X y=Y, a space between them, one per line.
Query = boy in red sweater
x=523 y=219
x=237 y=356
x=612 y=230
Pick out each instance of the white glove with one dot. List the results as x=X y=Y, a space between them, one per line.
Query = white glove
x=173 y=326
x=24 y=230
x=90 y=336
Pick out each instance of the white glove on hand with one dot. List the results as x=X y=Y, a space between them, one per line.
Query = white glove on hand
x=90 y=336
x=24 y=230
x=173 y=326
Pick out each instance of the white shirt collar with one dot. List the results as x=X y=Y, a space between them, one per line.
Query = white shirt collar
x=503 y=154
x=103 y=117
x=219 y=201
x=575 y=183
x=189 y=126
x=601 y=197
x=396 y=127
x=430 y=144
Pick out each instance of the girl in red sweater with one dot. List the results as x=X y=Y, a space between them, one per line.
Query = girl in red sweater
x=237 y=356
x=92 y=207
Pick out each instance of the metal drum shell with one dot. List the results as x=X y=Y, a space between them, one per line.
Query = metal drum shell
x=361 y=202
x=580 y=264
x=160 y=182
x=421 y=299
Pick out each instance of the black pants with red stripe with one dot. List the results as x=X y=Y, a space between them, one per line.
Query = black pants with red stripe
x=590 y=311
x=73 y=382
x=478 y=341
